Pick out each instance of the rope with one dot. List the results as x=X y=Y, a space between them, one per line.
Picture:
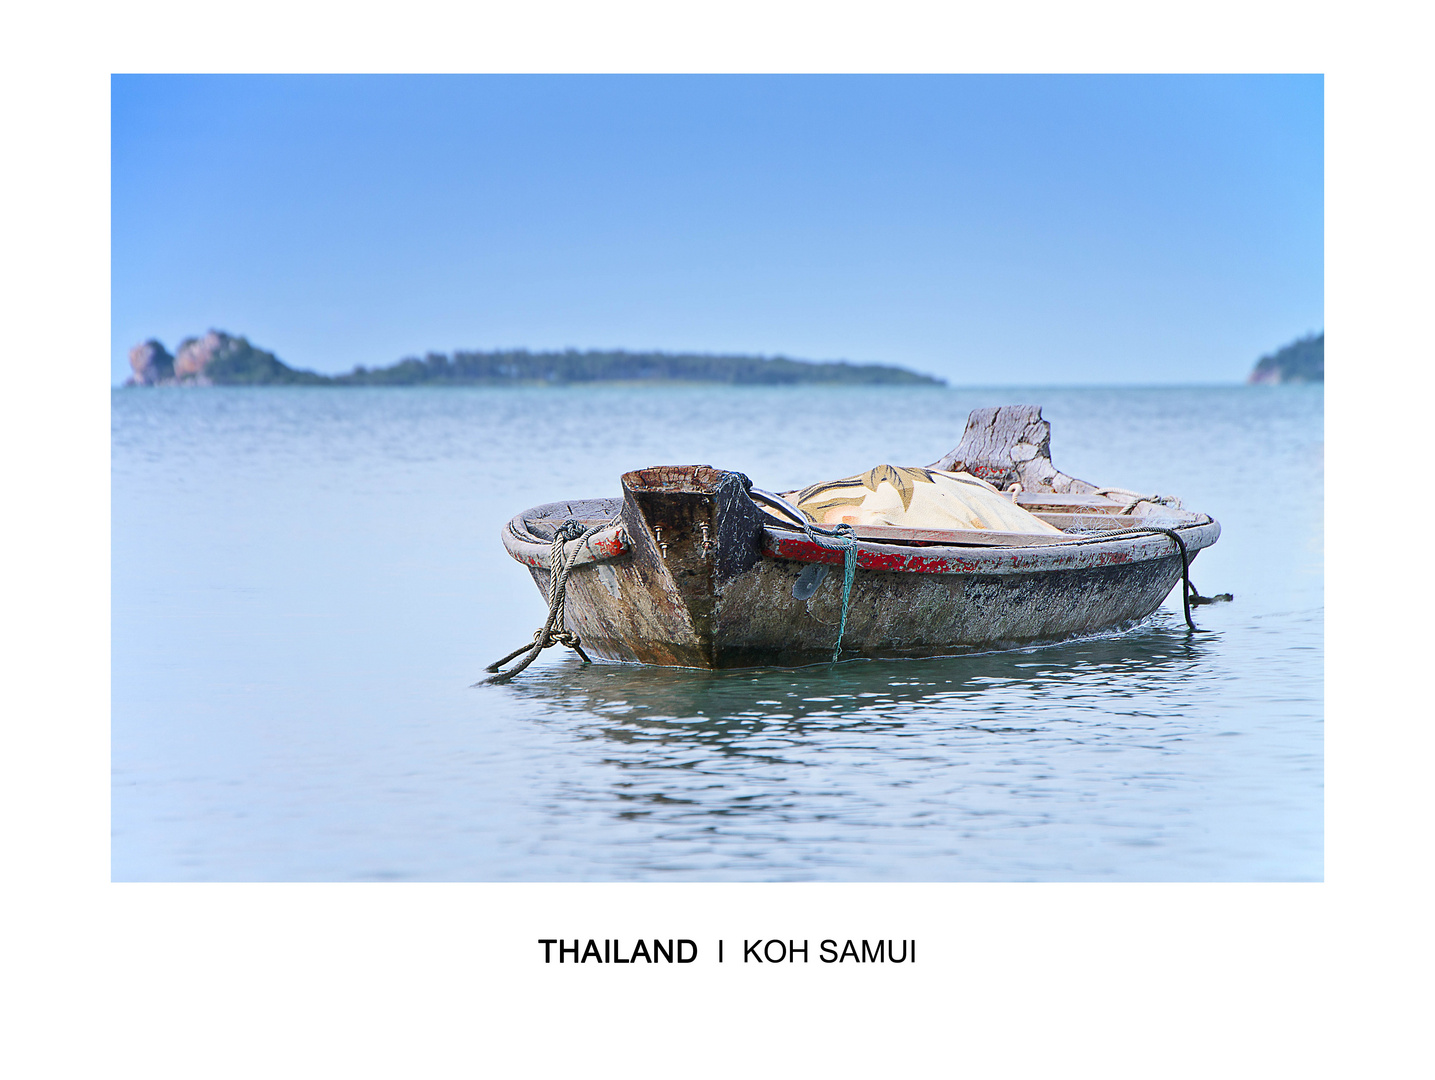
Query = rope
x=560 y=563
x=1189 y=595
x=1135 y=499
x=846 y=538
x=1186 y=587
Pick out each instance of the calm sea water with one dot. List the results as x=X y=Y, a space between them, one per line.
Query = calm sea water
x=307 y=581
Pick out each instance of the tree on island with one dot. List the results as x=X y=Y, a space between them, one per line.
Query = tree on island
x=220 y=359
x=1302 y=361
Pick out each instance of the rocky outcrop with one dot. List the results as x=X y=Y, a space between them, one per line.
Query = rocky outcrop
x=1302 y=361
x=216 y=359
x=194 y=356
x=151 y=363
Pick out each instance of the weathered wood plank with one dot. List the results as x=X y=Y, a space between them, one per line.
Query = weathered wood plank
x=1007 y=445
x=1076 y=504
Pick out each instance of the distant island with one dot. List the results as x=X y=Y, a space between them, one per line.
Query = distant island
x=221 y=359
x=1302 y=361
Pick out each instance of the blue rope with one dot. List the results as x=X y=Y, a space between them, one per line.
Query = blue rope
x=847 y=540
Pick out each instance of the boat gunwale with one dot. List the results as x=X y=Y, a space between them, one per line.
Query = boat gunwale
x=1071 y=553
x=790 y=543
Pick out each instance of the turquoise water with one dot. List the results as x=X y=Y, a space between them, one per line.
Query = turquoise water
x=306 y=582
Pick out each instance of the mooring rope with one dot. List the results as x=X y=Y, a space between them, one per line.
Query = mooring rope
x=1189 y=595
x=1186 y=587
x=560 y=563
x=846 y=541
x=846 y=538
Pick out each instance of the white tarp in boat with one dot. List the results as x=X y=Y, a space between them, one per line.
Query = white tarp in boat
x=915 y=499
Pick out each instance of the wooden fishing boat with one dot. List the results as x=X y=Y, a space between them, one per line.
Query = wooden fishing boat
x=695 y=567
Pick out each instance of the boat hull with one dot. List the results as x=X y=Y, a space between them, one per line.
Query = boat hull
x=757 y=620
x=689 y=572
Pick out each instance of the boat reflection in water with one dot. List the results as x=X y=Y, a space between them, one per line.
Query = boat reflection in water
x=1144 y=661
x=972 y=741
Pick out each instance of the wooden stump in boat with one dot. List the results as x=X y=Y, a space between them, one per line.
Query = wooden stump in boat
x=1010 y=444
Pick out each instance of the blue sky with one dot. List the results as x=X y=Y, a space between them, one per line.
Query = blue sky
x=991 y=230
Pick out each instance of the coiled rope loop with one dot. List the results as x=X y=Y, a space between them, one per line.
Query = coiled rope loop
x=561 y=557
